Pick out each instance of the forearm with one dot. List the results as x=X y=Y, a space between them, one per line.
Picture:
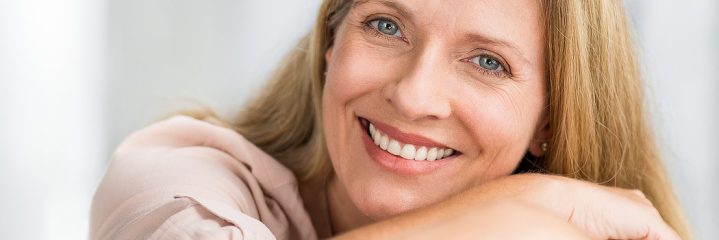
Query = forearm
x=492 y=211
x=494 y=220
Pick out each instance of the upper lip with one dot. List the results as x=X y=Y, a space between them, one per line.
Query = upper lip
x=406 y=138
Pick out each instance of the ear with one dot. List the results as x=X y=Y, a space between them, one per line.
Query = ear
x=541 y=135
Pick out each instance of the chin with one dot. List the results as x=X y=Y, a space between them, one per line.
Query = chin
x=381 y=210
x=380 y=205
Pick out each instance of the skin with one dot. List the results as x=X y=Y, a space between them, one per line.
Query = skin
x=477 y=215
x=424 y=81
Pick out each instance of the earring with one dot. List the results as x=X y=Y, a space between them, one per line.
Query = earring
x=545 y=146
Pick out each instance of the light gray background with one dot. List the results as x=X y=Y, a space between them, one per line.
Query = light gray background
x=76 y=76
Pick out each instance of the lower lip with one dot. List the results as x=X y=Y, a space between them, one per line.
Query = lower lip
x=398 y=164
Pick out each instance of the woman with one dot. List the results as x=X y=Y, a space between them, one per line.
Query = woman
x=414 y=119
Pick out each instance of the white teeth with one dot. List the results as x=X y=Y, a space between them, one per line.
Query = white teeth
x=407 y=151
x=376 y=136
x=421 y=154
x=394 y=147
x=448 y=152
x=432 y=154
x=383 y=142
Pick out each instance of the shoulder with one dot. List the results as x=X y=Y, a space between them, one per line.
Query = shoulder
x=198 y=164
x=181 y=131
x=189 y=136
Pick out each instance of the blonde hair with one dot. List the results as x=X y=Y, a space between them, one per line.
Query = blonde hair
x=600 y=131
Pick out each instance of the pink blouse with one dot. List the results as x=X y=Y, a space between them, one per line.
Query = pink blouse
x=188 y=179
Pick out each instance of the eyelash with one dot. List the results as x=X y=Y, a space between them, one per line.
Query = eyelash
x=504 y=73
x=367 y=26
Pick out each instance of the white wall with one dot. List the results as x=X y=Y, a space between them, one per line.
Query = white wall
x=51 y=127
x=163 y=53
x=679 y=45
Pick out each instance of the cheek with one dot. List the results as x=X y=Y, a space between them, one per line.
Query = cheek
x=502 y=122
x=346 y=81
x=355 y=74
x=358 y=68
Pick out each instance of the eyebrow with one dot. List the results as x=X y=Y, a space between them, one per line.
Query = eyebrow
x=497 y=42
x=391 y=4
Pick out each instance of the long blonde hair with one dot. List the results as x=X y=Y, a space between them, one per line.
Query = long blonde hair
x=596 y=104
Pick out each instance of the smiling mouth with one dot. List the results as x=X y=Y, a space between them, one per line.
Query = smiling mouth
x=413 y=147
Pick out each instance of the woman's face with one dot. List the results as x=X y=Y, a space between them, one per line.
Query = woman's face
x=454 y=90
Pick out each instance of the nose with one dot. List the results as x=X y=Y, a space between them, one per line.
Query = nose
x=421 y=93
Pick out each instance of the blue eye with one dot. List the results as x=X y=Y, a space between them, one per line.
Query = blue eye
x=488 y=63
x=387 y=27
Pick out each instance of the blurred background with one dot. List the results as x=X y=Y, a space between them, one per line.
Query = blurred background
x=77 y=76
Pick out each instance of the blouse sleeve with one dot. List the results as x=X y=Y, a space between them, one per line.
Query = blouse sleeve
x=188 y=179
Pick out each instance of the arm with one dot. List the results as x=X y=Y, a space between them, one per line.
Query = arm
x=499 y=219
x=534 y=205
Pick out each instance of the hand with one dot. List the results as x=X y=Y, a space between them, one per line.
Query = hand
x=601 y=212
